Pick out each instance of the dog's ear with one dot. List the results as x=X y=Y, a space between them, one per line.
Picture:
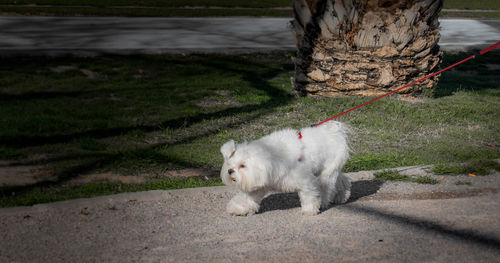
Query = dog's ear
x=228 y=149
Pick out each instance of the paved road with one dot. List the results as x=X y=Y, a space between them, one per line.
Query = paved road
x=390 y=222
x=154 y=35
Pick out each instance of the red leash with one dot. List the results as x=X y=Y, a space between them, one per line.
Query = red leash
x=394 y=91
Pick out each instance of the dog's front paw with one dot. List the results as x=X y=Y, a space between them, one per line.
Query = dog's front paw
x=241 y=209
x=310 y=210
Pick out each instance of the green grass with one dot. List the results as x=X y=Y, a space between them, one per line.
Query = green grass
x=477 y=4
x=470 y=14
x=462 y=183
x=370 y=161
x=393 y=175
x=151 y=114
x=45 y=194
x=424 y=180
x=477 y=167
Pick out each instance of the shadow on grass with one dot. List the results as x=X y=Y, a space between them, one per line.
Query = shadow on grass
x=473 y=75
x=257 y=81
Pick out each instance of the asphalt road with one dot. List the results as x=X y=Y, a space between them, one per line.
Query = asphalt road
x=49 y=35
x=390 y=222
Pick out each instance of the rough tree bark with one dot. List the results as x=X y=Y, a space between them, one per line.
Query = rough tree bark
x=365 y=47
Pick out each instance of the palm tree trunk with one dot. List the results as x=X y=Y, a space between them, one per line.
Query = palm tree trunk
x=365 y=47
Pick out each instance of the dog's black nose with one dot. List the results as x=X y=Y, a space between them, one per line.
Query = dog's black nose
x=230 y=171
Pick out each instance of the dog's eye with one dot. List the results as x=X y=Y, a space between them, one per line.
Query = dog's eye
x=242 y=166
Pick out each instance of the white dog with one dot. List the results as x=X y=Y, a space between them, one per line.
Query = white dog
x=310 y=164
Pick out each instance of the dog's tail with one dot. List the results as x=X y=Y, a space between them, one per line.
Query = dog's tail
x=337 y=127
x=342 y=189
x=338 y=133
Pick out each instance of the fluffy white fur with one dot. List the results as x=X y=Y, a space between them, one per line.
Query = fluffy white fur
x=311 y=166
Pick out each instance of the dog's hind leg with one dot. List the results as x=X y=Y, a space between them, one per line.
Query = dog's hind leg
x=335 y=187
x=244 y=203
x=342 y=189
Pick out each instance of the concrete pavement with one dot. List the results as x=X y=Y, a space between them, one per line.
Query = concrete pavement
x=48 y=35
x=382 y=222
x=150 y=35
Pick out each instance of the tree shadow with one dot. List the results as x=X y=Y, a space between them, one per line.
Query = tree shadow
x=476 y=75
x=469 y=236
x=277 y=97
x=260 y=81
x=285 y=201
x=364 y=188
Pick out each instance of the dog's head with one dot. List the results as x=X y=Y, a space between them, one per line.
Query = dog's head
x=245 y=165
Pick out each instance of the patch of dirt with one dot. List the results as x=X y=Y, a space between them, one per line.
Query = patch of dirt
x=109 y=178
x=19 y=175
x=190 y=172
x=409 y=98
x=140 y=74
x=141 y=178
x=473 y=127
x=92 y=75
x=63 y=68
x=113 y=97
x=223 y=98
x=224 y=93
x=489 y=144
